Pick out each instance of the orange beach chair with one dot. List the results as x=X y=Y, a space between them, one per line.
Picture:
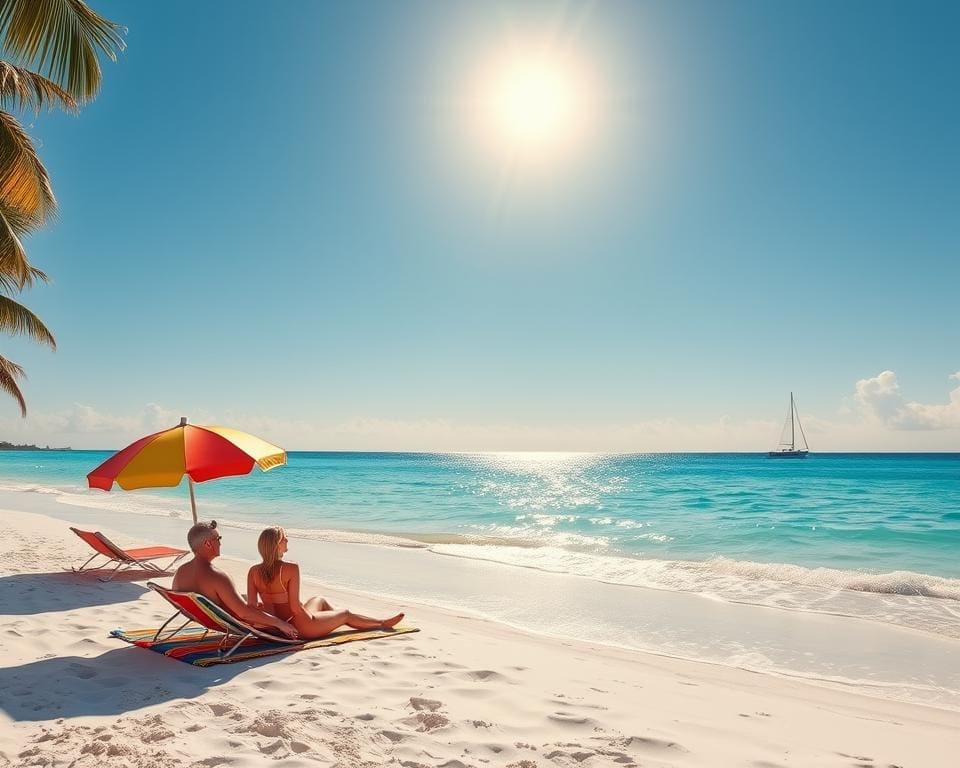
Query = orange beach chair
x=125 y=558
x=203 y=611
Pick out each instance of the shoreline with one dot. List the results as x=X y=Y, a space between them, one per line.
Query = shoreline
x=822 y=648
x=463 y=691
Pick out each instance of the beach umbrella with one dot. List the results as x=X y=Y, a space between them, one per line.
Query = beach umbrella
x=201 y=453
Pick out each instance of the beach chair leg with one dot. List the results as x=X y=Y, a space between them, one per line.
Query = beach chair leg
x=83 y=567
x=112 y=573
x=235 y=645
x=160 y=569
x=173 y=634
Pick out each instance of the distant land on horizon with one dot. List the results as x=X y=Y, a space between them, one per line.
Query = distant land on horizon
x=5 y=446
x=533 y=450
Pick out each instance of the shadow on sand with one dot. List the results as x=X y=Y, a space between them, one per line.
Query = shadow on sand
x=25 y=594
x=116 y=682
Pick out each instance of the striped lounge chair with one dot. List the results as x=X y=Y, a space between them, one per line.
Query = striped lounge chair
x=142 y=557
x=203 y=611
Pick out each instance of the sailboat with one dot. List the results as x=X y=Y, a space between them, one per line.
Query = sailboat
x=787 y=449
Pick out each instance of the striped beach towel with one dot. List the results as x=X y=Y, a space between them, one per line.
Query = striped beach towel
x=203 y=648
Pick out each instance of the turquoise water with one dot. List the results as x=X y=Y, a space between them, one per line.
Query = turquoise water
x=840 y=568
x=858 y=514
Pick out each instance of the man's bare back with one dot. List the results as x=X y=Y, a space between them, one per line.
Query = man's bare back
x=201 y=576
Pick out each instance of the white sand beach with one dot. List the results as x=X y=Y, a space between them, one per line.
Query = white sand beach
x=461 y=692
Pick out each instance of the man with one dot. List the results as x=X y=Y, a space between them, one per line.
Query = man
x=199 y=575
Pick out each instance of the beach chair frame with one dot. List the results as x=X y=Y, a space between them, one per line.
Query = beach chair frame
x=142 y=558
x=199 y=609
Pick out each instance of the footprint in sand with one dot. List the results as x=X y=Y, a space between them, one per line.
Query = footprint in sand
x=647 y=744
x=568 y=718
x=266 y=685
x=157 y=734
x=269 y=749
x=485 y=675
x=219 y=710
x=430 y=705
x=426 y=721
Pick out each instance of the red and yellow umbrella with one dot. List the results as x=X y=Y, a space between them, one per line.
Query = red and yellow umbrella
x=201 y=453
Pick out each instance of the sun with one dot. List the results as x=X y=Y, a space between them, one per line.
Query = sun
x=533 y=102
x=536 y=104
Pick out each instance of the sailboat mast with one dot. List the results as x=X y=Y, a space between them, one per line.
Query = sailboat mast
x=792 y=437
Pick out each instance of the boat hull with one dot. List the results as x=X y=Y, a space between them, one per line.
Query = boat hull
x=788 y=454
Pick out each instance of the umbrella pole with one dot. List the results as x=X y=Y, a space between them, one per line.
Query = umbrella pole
x=193 y=500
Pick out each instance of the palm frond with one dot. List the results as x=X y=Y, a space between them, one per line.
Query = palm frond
x=20 y=321
x=22 y=89
x=10 y=374
x=62 y=39
x=16 y=272
x=26 y=197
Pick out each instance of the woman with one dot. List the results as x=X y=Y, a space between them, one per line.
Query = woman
x=274 y=586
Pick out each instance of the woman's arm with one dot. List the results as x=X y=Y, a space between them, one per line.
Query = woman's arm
x=228 y=598
x=253 y=597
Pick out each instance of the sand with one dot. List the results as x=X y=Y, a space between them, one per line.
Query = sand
x=461 y=692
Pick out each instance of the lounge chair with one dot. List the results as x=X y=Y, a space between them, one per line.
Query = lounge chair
x=125 y=558
x=203 y=611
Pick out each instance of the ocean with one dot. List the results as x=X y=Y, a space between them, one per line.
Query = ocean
x=871 y=537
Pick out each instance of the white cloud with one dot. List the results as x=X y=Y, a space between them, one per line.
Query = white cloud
x=82 y=426
x=85 y=426
x=881 y=400
x=881 y=420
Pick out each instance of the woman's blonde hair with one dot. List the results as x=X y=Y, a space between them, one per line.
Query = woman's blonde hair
x=269 y=546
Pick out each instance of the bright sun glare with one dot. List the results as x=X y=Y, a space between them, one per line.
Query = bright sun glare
x=534 y=105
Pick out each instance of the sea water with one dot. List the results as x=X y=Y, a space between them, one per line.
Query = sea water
x=874 y=538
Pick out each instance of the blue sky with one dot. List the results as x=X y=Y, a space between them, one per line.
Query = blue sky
x=277 y=216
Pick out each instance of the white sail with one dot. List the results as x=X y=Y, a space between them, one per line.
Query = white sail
x=799 y=431
x=792 y=440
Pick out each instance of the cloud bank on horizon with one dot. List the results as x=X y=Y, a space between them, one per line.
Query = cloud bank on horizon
x=882 y=420
x=881 y=399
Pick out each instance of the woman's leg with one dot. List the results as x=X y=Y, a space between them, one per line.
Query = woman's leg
x=317 y=604
x=321 y=624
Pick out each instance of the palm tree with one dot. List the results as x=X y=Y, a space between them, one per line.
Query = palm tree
x=53 y=48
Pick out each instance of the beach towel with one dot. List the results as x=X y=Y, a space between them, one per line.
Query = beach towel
x=192 y=647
